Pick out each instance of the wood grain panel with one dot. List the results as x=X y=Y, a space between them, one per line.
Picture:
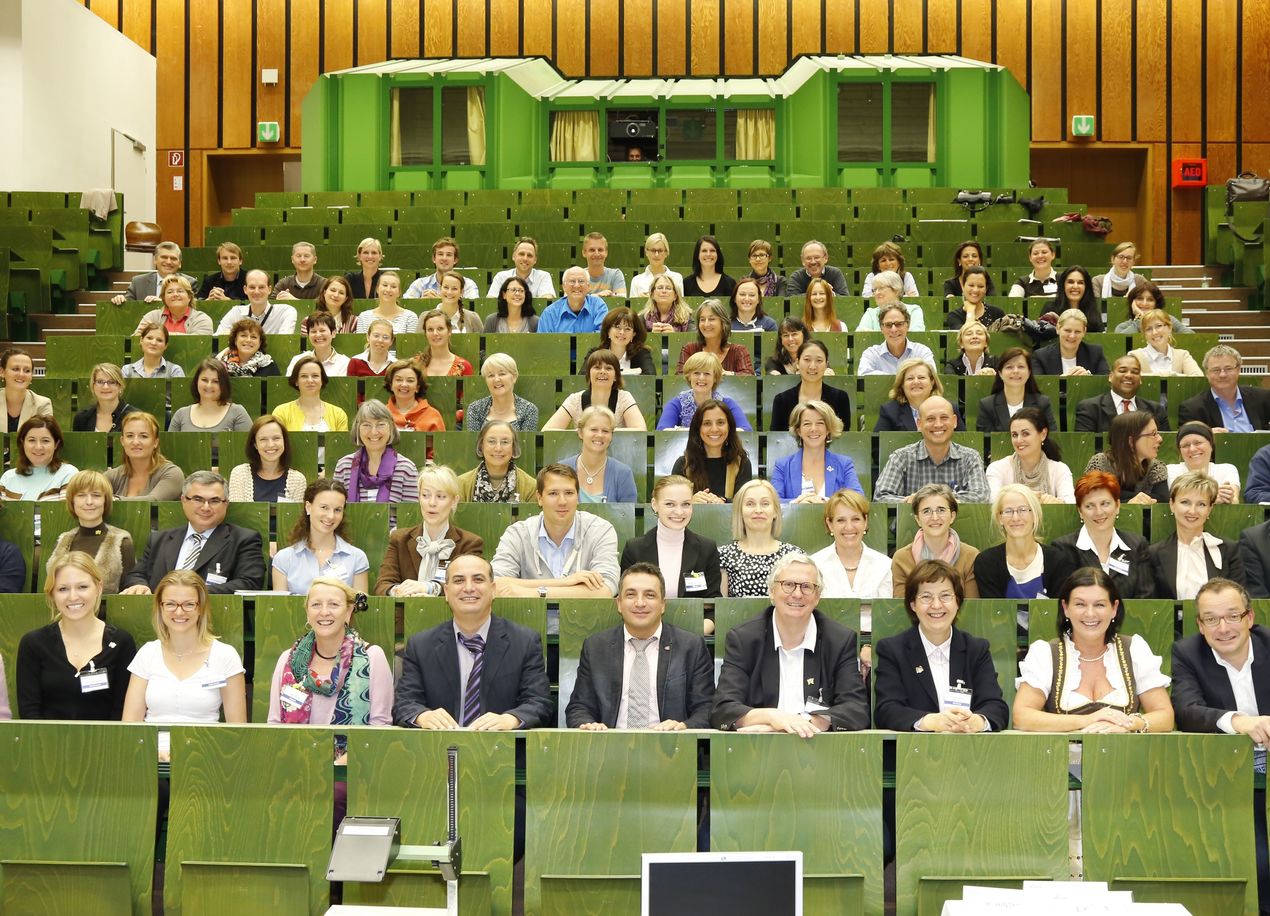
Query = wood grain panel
x=738 y=51
x=204 y=112
x=1011 y=52
x=302 y=66
x=195 y=189
x=703 y=32
x=337 y=39
x=1223 y=68
x=1187 y=220
x=1186 y=95
x=405 y=30
x=806 y=27
x=637 y=37
x=136 y=23
x=237 y=80
x=1047 y=72
x=672 y=39
x=1256 y=74
x=1082 y=61
x=976 y=29
x=1116 y=50
x=773 y=27
x=107 y=10
x=571 y=37
x=840 y=37
x=271 y=101
x=504 y=28
x=907 y=27
x=605 y=58
x=1152 y=75
x=372 y=31
x=539 y=22
x=941 y=26
x=874 y=15
x=170 y=116
x=471 y=17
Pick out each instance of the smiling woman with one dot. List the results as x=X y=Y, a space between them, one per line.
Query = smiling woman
x=317 y=545
x=267 y=476
x=935 y=508
x=89 y=497
x=144 y=473
x=39 y=472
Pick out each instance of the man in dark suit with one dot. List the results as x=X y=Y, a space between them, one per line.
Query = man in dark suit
x=1094 y=415
x=1227 y=406
x=791 y=668
x=1254 y=551
x=476 y=671
x=675 y=688
x=145 y=287
x=228 y=557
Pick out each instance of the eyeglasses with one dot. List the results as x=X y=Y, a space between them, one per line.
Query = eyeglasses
x=760 y=256
x=1019 y=511
x=929 y=599
x=934 y=512
x=172 y=606
x=105 y=382
x=215 y=502
x=373 y=424
x=791 y=588
x=890 y=325
x=1223 y=370
x=1209 y=622
x=1153 y=434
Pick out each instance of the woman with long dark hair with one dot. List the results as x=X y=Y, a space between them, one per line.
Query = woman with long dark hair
x=1013 y=389
x=714 y=458
x=1037 y=462
x=515 y=313
x=1133 y=444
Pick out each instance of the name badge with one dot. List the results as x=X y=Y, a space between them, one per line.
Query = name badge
x=213 y=682
x=813 y=707
x=1118 y=566
x=695 y=582
x=214 y=579
x=93 y=681
x=958 y=697
x=292 y=697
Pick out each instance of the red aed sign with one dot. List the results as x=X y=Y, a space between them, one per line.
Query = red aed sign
x=1190 y=173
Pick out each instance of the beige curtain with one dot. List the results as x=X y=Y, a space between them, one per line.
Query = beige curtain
x=394 y=130
x=930 y=128
x=476 y=124
x=575 y=136
x=756 y=133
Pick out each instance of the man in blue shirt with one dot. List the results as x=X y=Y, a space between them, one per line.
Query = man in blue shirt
x=577 y=311
x=1227 y=406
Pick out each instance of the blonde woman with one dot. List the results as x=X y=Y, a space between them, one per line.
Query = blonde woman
x=915 y=381
x=665 y=312
x=388 y=307
x=657 y=250
x=818 y=312
x=89 y=499
x=1021 y=567
x=1159 y=356
x=363 y=283
x=108 y=408
x=813 y=473
x=851 y=568
x=178 y=313
x=143 y=473
x=748 y=560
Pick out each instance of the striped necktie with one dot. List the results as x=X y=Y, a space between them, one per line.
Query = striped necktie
x=472 y=695
x=639 y=693
x=195 y=548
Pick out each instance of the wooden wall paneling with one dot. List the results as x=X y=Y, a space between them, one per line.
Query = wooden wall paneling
x=805 y=27
x=977 y=29
x=238 y=81
x=941 y=27
x=197 y=186
x=738 y=29
x=672 y=43
x=1188 y=213
x=204 y=82
x=773 y=27
x=907 y=26
x=372 y=31
x=1223 y=69
x=1082 y=62
x=840 y=37
x=1186 y=94
x=874 y=21
x=136 y=23
x=302 y=64
x=271 y=51
x=605 y=58
x=504 y=27
x=405 y=30
x=703 y=31
x=107 y=10
x=472 y=30
x=1115 y=49
x=337 y=34
x=637 y=37
x=1221 y=161
x=1047 y=71
x=571 y=37
x=1012 y=39
x=539 y=22
x=1152 y=71
x=170 y=205
x=1256 y=75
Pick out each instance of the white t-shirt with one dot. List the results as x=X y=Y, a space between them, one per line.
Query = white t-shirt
x=196 y=699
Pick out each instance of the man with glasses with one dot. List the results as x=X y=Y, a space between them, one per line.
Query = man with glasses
x=1094 y=415
x=815 y=258
x=791 y=669
x=935 y=459
x=228 y=557
x=577 y=311
x=1227 y=406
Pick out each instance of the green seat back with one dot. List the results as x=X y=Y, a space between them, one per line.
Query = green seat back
x=23 y=613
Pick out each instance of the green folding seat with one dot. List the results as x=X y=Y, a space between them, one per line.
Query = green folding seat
x=394 y=200
x=192 y=451
x=258 y=216
x=279 y=199
x=86 y=451
x=17 y=526
x=57 y=390
x=1225 y=521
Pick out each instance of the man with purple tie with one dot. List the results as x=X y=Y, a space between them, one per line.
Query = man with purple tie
x=476 y=671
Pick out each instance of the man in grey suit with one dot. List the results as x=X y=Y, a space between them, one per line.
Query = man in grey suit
x=1094 y=415
x=476 y=671
x=643 y=673
x=145 y=287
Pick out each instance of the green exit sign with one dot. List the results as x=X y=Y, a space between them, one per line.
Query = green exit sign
x=1082 y=125
x=267 y=132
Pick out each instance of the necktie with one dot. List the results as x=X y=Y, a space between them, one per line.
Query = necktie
x=638 y=694
x=195 y=548
x=472 y=696
x=1124 y=405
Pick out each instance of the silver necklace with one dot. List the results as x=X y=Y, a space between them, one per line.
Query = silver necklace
x=588 y=473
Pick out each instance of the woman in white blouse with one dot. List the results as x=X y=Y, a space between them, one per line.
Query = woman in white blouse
x=1037 y=462
x=851 y=568
x=1199 y=452
x=657 y=250
x=1107 y=683
x=1159 y=356
x=187 y=675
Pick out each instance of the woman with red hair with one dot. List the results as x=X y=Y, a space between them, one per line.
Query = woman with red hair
x=1121 y=554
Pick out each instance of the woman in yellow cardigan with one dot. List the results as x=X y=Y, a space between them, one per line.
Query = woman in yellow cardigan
x=308 y=412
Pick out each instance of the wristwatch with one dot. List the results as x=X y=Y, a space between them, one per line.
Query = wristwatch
x=542 y=591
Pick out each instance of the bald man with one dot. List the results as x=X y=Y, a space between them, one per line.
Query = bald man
x=936 y=459
x=273 y=317
x=577 y=311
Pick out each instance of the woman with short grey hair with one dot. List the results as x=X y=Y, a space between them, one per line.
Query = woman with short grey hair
x=376 y=471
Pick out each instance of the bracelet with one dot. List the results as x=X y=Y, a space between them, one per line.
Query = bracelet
x=1146 y=723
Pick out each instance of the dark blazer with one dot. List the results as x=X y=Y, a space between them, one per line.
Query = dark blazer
x=785 y=402
x=956 y=319
x=685 y=679
x=1137 y=584
x=905 y=690
x=85 y=421
x=955 y=366
x=994 y=415
x=401 y=557
x=231 y=552
x=1203 y=407
x=1254 y=552
x=1164 y=565
x=896 y=417
x=1094 y=415
x=513 y=677
x=357 y=283
x=1048 y=360
x=751 y=676
x=1201 y=688
x=147 y=284
x=992 y=576
x=700 y=554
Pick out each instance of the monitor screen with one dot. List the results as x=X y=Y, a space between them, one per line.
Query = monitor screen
x=689 y=884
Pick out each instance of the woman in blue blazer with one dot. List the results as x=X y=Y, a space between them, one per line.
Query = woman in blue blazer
x=813 y=473
x=915 y=381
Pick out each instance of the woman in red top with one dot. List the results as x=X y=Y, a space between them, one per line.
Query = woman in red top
x=438 y=359
x=406 y=386
x=378 y=354
x=714 y=325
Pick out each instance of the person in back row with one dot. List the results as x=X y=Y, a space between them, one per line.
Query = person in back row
x=815 y=258
x=525 y=256
x=273 y=318
x=602 y=279
x=445 y=257
x=305 y=283
x=226 y=285
x=148 y=287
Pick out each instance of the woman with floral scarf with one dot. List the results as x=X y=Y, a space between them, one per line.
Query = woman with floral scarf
x=496 y=479
x=247 y=353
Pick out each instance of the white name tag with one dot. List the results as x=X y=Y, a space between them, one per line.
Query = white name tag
x=695 y=582
x=213 y=682
x=958 y=698
x=93 y=681
x=292 y=696
x=1118 y=566
x=214 y=579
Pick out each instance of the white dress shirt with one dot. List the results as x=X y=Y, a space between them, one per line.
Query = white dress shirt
x=1192 y=571
x=1085 y=542
x=628 y=662
x=793 y=695
x=937 y=658
x=1245 y=692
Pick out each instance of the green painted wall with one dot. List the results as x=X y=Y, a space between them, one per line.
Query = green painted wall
x=807 y=141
